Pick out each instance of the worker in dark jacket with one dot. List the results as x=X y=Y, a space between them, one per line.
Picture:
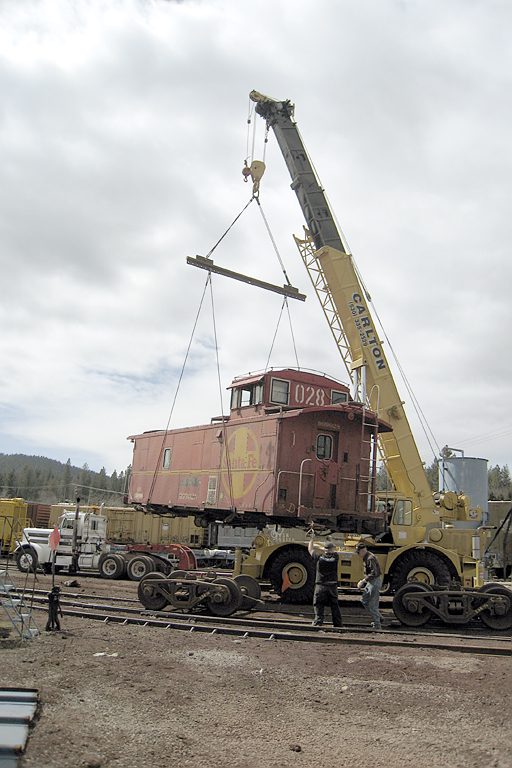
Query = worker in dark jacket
x=371 y=584
x=326 y=583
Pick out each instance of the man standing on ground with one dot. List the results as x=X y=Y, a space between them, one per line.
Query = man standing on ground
x=371 y=584
x=326 y=583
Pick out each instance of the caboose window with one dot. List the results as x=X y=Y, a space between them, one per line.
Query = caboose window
x=324 y=447
x=338 y=397
x=167 y=458
x=280 y=392
x=252 y=394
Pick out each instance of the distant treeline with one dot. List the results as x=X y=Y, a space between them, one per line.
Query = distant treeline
x=47 y=481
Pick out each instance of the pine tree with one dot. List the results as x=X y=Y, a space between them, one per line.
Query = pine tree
x=66 y=482
x=12 y=485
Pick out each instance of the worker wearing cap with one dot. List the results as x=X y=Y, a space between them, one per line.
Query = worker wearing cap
x=371 y=584
x=326 y=583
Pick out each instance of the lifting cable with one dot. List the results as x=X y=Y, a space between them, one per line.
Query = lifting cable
x=224 y=431
x=230 y=227
x=285 y=303
x=153 y=482
x=256 y=197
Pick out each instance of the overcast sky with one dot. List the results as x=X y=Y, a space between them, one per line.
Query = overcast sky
x=123 y=133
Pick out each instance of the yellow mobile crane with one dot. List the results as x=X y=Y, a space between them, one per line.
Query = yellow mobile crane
x=420 y=544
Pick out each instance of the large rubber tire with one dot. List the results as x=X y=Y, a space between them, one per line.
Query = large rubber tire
x=26 y=560
x=139 y=566
x=495 y=619
x=411 y=618
x=149 y=596
x=111 y=566
x=299 y=566
x=423 y=567
x=232 y=604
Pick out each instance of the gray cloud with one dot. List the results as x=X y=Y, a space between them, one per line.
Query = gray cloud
x=123 y=131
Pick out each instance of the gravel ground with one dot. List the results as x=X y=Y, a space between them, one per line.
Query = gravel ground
x=120 y=697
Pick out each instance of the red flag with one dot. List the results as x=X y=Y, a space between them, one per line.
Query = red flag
x=54 y=538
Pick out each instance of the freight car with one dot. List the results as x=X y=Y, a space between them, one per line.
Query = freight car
x=13 y=518
x=296 y=449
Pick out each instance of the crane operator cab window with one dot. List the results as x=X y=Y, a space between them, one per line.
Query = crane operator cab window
x=403 y=512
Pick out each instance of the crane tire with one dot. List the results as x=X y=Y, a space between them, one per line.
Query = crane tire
x=298 y=565
x=422 y=566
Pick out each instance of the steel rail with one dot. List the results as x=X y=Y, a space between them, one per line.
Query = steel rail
x=336 y=636
x=249 y=619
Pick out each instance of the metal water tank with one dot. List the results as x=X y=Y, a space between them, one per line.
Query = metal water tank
x=466 y=475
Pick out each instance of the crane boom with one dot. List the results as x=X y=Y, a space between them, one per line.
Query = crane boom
x=345 y=304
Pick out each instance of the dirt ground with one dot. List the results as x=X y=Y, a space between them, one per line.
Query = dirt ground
x=124 y=697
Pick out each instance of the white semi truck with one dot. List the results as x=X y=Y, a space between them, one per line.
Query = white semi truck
x=83 y=546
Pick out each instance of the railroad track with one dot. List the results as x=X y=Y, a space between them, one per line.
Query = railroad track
x=262 y=625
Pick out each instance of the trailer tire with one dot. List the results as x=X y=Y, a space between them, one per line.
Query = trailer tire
x=423 y=567
x=140 y=566
x=297 y=564
x=26 y=560
x=111 y=566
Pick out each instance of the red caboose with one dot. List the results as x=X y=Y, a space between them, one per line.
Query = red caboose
x=295 y=449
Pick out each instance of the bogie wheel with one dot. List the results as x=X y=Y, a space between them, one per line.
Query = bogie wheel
x=228 y=605
x=178 y=575
x=421 y=566
x=414 y=613
x=149 y=595
x=26 y=560
x=250 y=588
x=292 y=575
x=499 y=616
x=111 y=566
x=139 y=566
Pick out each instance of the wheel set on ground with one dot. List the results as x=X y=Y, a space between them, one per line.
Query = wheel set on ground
x=415 y=603
x=184 y=590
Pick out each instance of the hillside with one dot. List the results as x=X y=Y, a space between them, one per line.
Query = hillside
x=38 y=478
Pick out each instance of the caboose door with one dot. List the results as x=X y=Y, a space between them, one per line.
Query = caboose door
x=326 y=471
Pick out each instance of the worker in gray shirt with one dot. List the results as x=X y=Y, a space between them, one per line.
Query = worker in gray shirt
x=371 y=584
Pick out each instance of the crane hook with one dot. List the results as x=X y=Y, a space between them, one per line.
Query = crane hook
x=255 y=171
